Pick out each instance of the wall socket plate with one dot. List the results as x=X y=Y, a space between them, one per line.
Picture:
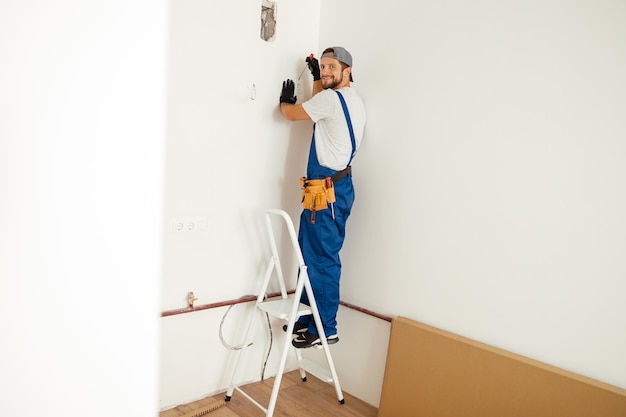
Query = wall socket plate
x=190 y=224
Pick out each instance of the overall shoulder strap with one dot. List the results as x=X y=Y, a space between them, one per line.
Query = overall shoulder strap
x=347 y=114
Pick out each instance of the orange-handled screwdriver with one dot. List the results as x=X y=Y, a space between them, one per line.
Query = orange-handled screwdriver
x=329 y=184
x=310 y=57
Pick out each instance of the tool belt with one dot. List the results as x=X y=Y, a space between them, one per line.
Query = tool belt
x=318 y=194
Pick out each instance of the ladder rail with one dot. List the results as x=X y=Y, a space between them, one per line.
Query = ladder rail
x=238 y=363
x=272 y=265
x=292 y=232
x=266 y=279
x=322 y=335
x=293 y=314
x=252 y=400
x=274 y=247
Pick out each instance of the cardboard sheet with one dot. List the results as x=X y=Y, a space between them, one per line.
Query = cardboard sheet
x=433 y=373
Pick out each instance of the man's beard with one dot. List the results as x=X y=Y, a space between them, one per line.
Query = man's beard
x=334 y=83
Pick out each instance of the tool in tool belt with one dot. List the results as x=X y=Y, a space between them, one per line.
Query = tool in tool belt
x=319 y=194
x=329 y=185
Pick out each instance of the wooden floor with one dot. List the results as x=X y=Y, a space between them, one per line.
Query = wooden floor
x=296 y=398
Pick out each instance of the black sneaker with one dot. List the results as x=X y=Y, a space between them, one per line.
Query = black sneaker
x=307 y=340
x=298 y=328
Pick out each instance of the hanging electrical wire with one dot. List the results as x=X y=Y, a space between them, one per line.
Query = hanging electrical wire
x=269 y=349
x=221 y=333
x=239 y=347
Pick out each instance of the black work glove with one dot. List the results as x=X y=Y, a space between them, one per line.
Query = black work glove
x=314 y=67
x=287 y=95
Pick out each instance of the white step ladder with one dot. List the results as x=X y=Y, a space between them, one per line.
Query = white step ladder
x=286 y=308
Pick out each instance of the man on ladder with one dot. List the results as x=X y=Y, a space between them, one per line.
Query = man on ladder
x=328 y=194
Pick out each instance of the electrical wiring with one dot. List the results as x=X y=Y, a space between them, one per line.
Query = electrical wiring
x=221 y=333
x=269 y=349
x=239 y=347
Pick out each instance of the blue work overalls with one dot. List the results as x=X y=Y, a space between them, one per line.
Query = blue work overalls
x=320 y=243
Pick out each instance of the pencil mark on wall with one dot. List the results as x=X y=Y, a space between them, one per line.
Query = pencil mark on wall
x=268 y=20
x=252 y=91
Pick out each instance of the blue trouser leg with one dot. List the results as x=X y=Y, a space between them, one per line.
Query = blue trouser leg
x=320 y=244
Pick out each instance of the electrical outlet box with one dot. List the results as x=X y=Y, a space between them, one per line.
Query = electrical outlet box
x=190 y=224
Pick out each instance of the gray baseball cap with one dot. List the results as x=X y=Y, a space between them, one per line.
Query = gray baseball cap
x=340 y=54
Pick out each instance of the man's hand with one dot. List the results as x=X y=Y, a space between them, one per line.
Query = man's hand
x=287 y=95
x=314 y=67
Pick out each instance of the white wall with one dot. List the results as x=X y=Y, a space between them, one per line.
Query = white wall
x=81 y=179
x=229 y=159
x=490 y=185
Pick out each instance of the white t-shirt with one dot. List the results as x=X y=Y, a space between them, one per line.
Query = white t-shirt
x=332 y=137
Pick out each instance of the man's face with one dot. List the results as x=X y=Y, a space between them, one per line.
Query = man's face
x=331 y=72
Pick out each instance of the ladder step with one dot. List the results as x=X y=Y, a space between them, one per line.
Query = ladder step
x=281 y=308
x=315 y=369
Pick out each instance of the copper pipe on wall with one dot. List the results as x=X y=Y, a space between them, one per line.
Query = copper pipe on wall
x=244 y=299
x=248 y=298
x=366 y=311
